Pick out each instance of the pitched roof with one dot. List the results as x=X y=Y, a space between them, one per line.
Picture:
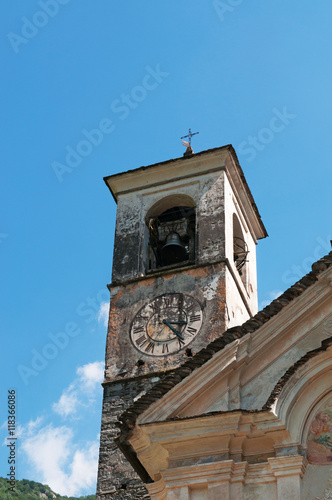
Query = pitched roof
x=129 y=452
x=128 y=418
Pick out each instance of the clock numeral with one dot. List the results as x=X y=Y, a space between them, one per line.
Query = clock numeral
x=141 y=341
x=155 y=307
x=138 y=329
x=195 y=317
x=168 y=301
x=141 y=317
x=181 y=343
x=190 y=308
x=191 y=330
x=165 y=349
x=149 y=347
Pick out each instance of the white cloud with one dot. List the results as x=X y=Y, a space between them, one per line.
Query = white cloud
x=91 y=374
x=103 y=313
x=29 y=428
x=51 y=451
x=82 y=392
x=274 y=294
x=85 y=465
x=68 y=402
x=22 y=430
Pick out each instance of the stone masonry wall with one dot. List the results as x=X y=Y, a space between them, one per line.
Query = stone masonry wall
x=117 y=480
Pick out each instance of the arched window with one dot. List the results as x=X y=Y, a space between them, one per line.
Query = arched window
x=171 y=232
x=240 y=250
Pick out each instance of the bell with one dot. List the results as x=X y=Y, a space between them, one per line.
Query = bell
x=173 y=251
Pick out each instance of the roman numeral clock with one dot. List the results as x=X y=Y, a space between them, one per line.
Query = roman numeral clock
x=178 y=278
x=166 y=324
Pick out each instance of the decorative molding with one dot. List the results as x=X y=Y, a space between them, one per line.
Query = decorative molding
x=239 y=472
x=259 y=474
x=288 y=466
x=157 y=490
x=193 y=474
x=152 y=455
x=327 y=326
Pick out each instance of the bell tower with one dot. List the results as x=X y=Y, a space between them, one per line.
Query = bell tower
x=184 y=270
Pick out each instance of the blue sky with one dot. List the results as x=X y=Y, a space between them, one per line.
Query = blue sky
x=92 y=88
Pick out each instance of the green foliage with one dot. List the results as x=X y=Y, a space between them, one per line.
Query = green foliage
x=30 y=490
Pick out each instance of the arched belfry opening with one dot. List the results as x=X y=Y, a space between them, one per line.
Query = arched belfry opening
x=240 y=249
x=171 y=238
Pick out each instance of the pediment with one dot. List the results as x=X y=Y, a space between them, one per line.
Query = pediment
x=245 y=372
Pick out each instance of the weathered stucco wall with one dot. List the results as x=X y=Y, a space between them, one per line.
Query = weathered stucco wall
x=205 y=284
x=267 y=491
x=316 y=480
x=248 y=286
x=300 y=340
x=131 y=238
x=211 y=219
x=237 y=312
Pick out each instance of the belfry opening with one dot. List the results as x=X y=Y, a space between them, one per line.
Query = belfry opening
x=171 y=234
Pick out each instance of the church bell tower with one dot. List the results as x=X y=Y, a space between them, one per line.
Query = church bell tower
x=184 y=270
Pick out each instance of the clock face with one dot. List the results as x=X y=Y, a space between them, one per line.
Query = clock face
x=166 y=324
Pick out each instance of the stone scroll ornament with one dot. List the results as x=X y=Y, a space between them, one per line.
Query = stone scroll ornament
x=319 y=444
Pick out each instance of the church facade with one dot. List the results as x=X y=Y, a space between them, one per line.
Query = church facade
x=204 y=397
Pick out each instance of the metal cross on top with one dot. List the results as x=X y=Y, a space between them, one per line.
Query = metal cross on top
x=190 y=134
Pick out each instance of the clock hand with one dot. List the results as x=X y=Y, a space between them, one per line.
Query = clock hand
x=178 y=322
x=177 y=333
